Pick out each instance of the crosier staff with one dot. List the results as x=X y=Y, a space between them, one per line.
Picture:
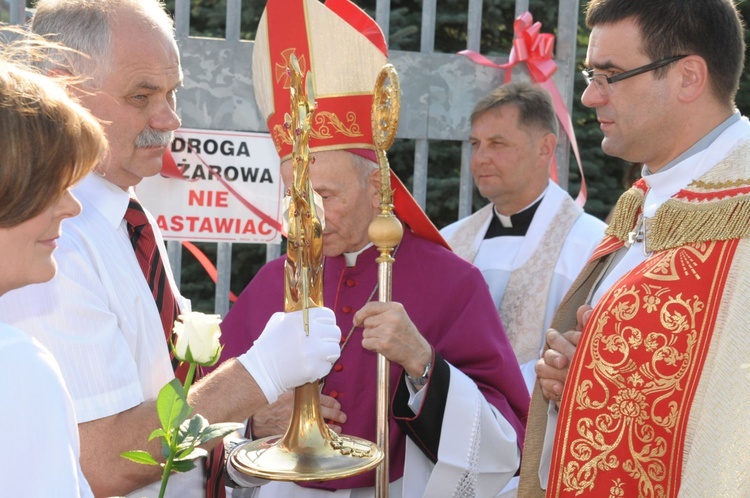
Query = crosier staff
x=385 y=232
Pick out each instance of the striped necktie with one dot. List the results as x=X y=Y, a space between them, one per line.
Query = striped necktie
x=147 y=253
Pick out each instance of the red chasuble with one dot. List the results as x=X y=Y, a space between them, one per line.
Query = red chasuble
x=621 y=430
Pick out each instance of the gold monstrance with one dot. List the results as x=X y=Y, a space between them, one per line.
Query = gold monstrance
x=309 y=450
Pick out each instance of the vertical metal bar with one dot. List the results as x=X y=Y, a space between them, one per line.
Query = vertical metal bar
x=174 y=253
x=473 y=42
x=419 y=188
x=565 y=53
x=224 y=268
x=383 y=16
x=429 y=17
x=234 y=18
x=17 y=12
x=474 y=25
x=422 y=145
x=466 y=187
x=522 y=6
x=182 y=19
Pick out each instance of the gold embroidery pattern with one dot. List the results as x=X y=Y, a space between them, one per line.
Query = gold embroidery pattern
x=280 y=136
x=636 y=382
x=681 y=266
x=711 y=186
x=281 y=69
x=328 y=123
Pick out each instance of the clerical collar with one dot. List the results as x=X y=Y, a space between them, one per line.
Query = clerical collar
x=351 y=257
x=516 y=224
x=698 y=146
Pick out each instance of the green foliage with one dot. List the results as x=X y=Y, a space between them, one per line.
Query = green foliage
x=180 y=435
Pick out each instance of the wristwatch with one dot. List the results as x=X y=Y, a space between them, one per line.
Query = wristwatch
x=420 y=381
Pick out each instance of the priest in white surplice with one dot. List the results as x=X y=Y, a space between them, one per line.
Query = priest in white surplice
x=531 y=240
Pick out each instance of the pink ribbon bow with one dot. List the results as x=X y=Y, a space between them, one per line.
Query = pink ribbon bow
x=535 y=48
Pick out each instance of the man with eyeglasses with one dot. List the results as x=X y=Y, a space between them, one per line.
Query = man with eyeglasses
x=644 y=373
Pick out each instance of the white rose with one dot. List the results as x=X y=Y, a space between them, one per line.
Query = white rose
x=198 y=338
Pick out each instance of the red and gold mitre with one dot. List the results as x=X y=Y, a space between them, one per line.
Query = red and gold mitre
x=345 y=50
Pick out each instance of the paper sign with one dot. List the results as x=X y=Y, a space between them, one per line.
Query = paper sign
x=230 y=189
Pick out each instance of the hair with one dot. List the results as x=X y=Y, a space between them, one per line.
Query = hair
x=86 y=27
x=533 y=102
x=364 y=166
x=711 y=29
x=48 y=141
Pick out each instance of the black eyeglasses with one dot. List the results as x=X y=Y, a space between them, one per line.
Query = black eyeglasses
x=603 y=81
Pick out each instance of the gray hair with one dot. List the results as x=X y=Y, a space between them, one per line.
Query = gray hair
x=534 y=105
x=86 y=27
x=364 y=166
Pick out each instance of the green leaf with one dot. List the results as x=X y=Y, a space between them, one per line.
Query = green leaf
x=183 y=465
x=139 y=456
x=191 y=455
x=171 y=405
x=157 y=433
x=218 y=430
x=189 y=431
x=195 y=425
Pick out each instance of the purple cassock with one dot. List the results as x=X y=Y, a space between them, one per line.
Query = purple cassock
x=448 y=301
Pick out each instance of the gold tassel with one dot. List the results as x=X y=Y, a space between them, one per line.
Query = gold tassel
x=625 y=214
x=677 y=222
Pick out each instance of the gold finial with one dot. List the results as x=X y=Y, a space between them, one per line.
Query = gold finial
x=385 y=230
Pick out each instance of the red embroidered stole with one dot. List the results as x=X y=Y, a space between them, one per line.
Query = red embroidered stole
x=623 y=417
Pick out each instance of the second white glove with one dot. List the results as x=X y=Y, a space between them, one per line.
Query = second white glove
x=283 y=357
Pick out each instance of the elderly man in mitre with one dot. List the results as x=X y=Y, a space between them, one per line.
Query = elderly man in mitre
x=458 y=398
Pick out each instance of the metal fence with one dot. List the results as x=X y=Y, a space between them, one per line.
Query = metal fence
x=438 y=92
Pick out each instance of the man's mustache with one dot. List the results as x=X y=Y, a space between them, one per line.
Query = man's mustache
x=154 y=138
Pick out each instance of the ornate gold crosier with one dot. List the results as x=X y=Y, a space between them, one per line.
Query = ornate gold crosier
x=309 y=450
x=385 y=232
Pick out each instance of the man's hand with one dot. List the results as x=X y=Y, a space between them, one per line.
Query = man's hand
x=388 y=330
x=274 y=418
x=552 y=368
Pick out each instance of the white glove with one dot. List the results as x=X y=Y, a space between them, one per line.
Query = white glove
x=283 y=357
